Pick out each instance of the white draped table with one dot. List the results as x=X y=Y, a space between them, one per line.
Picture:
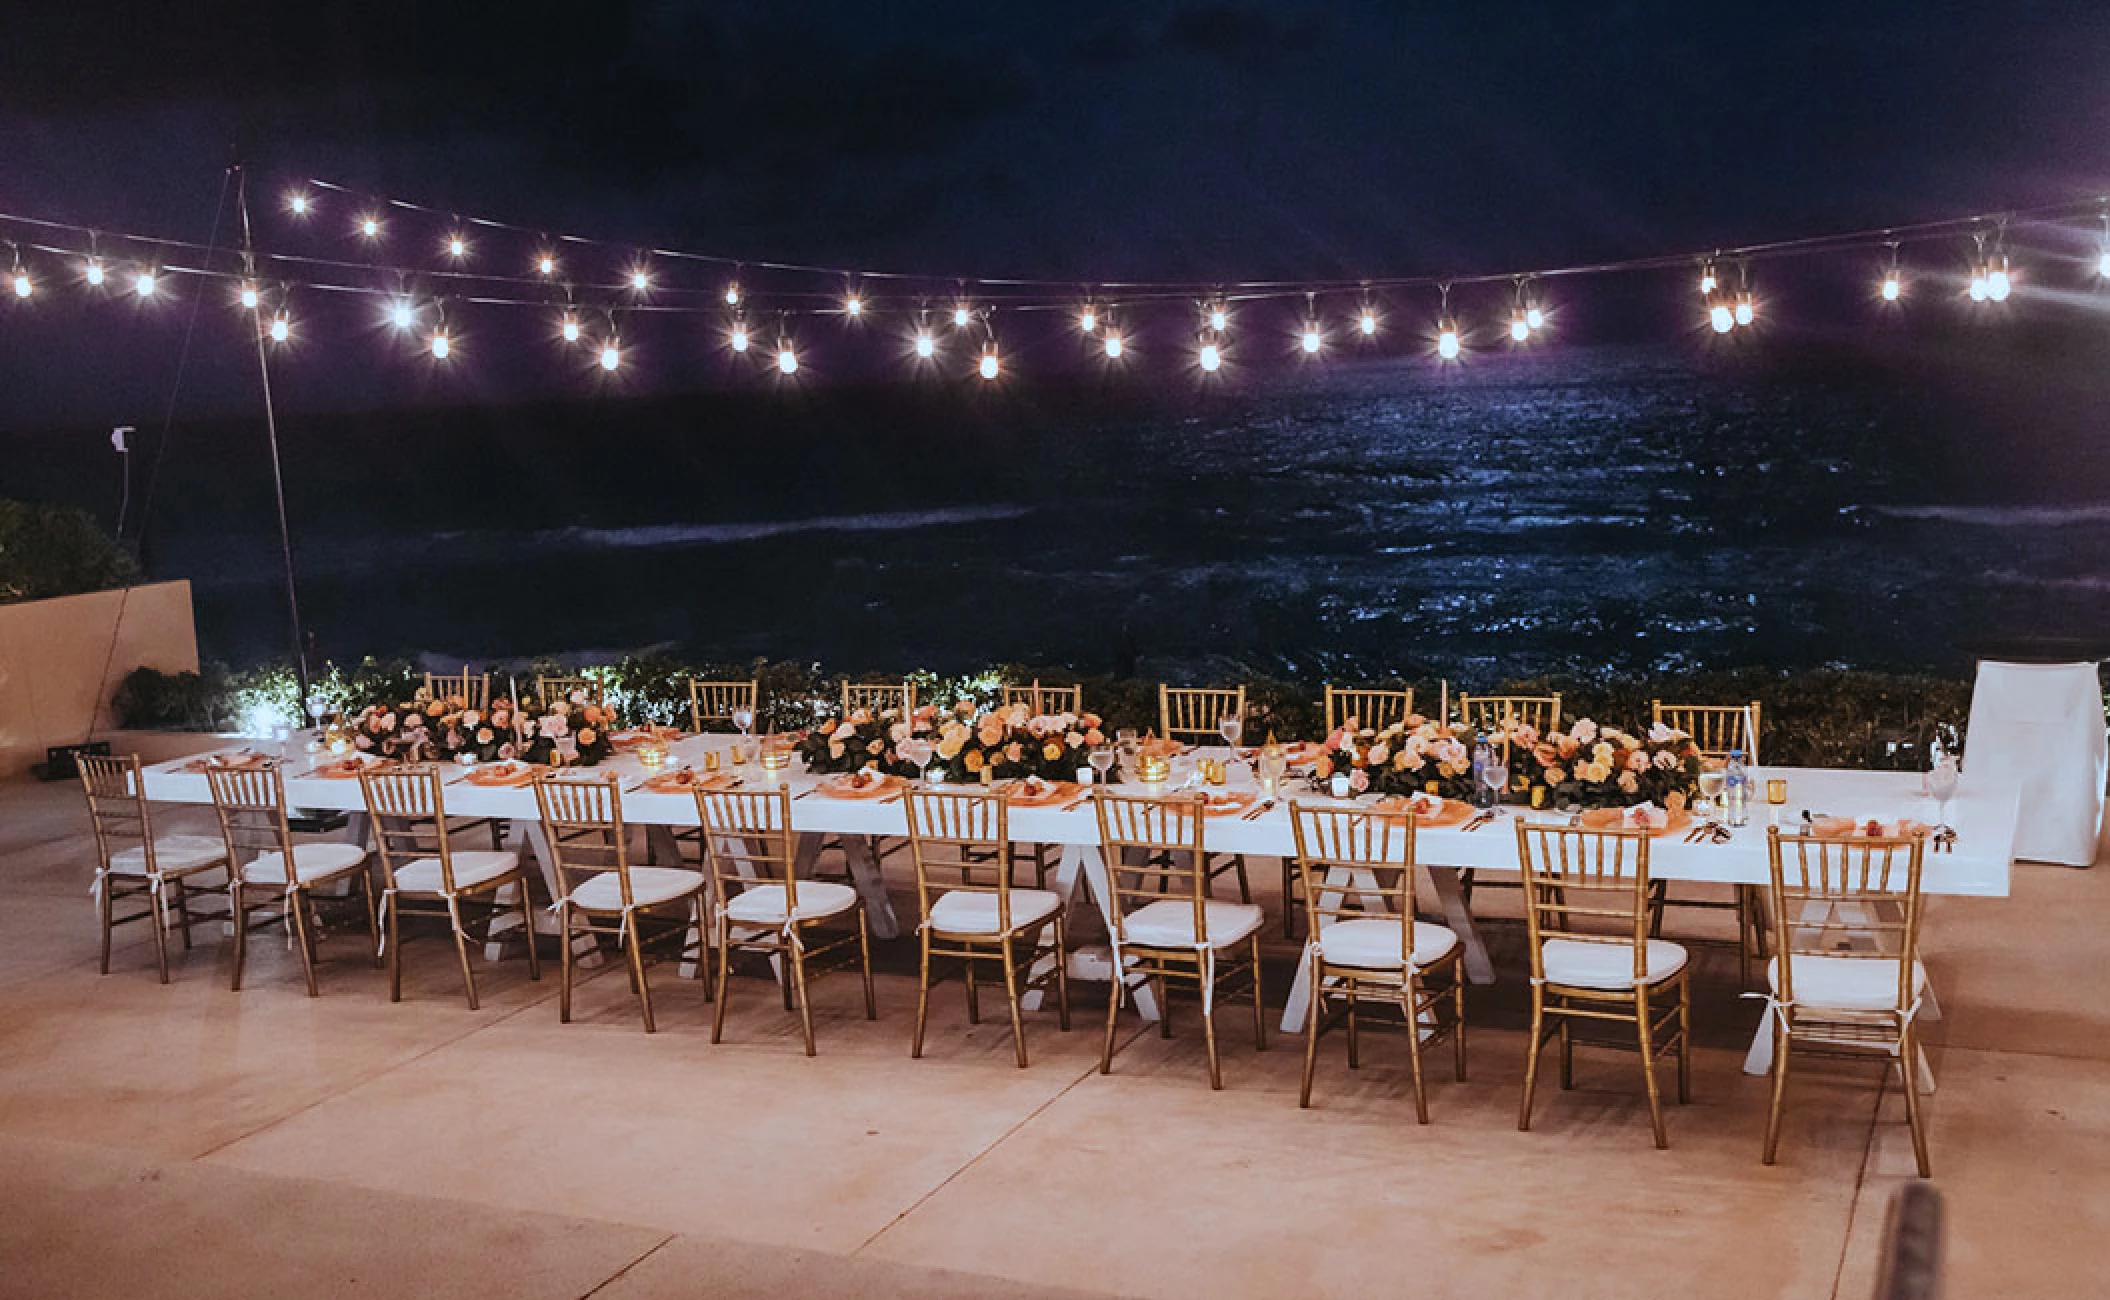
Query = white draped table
x=2039 y=726
x=1984 y=815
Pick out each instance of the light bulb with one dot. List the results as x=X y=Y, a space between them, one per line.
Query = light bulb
x=249 y=297
x=1892 y=287
x=1722 y=319
x=280 y=330
x=1447 y=343
x=739 y=338
x=1519 y=329
x=144 y=284
x=546 y=264
x=456 y=246
x=1707 y=283
x=1087 y=320
x=732 y=295
x=1113 y=345
x=1212 y=357
x=1998 y=286
x=960 y=317
x=787 y=360
x=571 y=330
x=1978 y=286
x=925 y=344
x=1218 y=319
x=611 y=357
x=370 y=227
x=1745 y=312
x=2102 y=267
x=1368 y=323
x=402 y=316
x=639 y=280
x=853 y=306
x=990 y=365
x=1311 y=338
x=440 y=345
x=95 y=274
x=1535 y=318
x=23 y=288
x=299 y=203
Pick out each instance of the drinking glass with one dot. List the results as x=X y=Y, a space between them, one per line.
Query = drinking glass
x=744 y=719
x=1102 y=761
x=1231 y=729
x=1712 y=779
x=1495 y=776
x=1941 y=783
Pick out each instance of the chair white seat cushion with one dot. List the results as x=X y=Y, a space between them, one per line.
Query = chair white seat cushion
x=974 y=911
x=313 y=860
x=1372 y=943
x=1580 y=964
x=1846 y=983
x=472 y=867
x=171 y=853
x=764 y=904
x=1169 y=923
x=649 y=886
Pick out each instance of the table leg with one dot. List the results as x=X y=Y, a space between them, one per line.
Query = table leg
x=528 y=838
x=1479 y=968
x=1081 y=864
x=870 y=883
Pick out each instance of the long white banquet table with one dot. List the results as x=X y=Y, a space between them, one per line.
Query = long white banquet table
x=1985 y=818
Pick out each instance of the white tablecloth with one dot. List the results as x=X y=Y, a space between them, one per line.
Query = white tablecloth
x=2039 y=727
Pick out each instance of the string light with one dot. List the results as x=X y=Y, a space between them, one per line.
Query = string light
x=1312 y=339
x=853 y=305
x=1113 y=344
x=1519 y=328
x=457 y=246
x=1997 y=282
x=281 y=328
x=250 y=297
x=1367 y=322
x=1535 y=318
x=1212 y=357
x=370 y=226
x=570 y=328
x=739 y=336
x=2102 y=261
x=1088 y=319
x=961 y=316
x=546 y=264
x=297 y=202
x=990 y=366
x=1892 y=286
x=2102 y=265
x=1708 y=283
x=441 y=345
x=94 y=273
x=22 y=284
x=144 y=283
x=640 y=279
x=1721 y=319
x=787 y=360
x=611 y=355
x=1979 y=290
x=1219 y=319
x=1447 y=342
x=732 y=294
x=1746 y=310
x=925 y=344
x=402 y=315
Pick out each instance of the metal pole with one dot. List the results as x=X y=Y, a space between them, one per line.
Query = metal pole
x=278 y=480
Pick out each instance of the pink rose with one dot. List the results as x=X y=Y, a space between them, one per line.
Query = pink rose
x=1359 y=780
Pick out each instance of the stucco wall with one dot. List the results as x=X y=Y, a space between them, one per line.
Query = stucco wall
x=61 y=659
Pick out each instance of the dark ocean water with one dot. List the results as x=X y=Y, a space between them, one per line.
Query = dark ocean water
x=1644 y=509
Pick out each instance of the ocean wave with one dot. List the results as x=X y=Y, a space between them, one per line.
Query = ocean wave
x=2014 y=578
x=1993 y=516
x=648 y=536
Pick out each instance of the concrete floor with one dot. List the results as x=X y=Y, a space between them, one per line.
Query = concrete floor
x=187 y=1140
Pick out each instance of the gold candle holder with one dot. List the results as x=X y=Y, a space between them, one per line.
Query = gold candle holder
x=1218 y=772
x=710 y=760
x=652 y=755
x=1152 y=769
x=1777 y=790
x=775 y=760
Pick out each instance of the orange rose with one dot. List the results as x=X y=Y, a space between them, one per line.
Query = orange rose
x=1051 y=751
x=974 y=760
x=586 y=735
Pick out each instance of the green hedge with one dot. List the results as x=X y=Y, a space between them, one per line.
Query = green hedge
x=48 y=551
x=1821 y=718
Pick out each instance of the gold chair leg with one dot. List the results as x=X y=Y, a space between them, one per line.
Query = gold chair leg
x=1062 y=976
x=1355 y=1052
x=1458 y=1018
x=241 y=932
x=974 y=1001
x=103 y=907
x=915 y=1045
x=1915 y=1118
x=1259 y=1010
x=1567 y=1054
x=724 y=934
x=527 y=929
x=634 y=935
x=564 y=959
x=373 y=916
x=1648 y=1066
x=798 y=985
x=864 y=956
x=461 y=947
x=1780 y=1086
x=1018 y=1018
x=395 y=954
x=1421 y=1091
x=1684 y=1042
x=1113 y=1007
x=158 y=916
x=1531 y=1062
x=297 y=899
x=1314 y=1010
x=1245 y=886
x=1216 y=1077
x=182 y=910
x=1289 y=912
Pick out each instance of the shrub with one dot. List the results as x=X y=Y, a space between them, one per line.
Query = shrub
x=48 y=551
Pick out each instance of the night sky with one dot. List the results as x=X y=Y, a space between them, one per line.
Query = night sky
x=1098 y=142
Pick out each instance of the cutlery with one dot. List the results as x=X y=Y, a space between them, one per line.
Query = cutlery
x=1479 y=820
x=803 y=793
x=1079 y=801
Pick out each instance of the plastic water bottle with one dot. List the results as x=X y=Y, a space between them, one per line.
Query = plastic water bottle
x=1736 y=788
x=1483 y=758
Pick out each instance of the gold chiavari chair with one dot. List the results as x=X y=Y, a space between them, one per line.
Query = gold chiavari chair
x=1358 y=955
x=473 y=689
x=763 y=906
x=563 y=688
x=251 y=806
x=131 y=860
x=978 y=916
x=1045 y=701
x=1194 y=715
x=1610 y=971
x=1166 y=928
x=424 y=874
x=1369 y=706
x=1491 y=713
x=1846 y=979
x=599 y=892
x=1716 y=729
x=878 y=697
x=712 y=704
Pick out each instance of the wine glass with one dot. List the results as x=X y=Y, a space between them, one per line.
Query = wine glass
x=1102 y=761
x=744 y=719
x=1495 y=776
x=1230 y=728
x=1941 y=783
x=1712 y=779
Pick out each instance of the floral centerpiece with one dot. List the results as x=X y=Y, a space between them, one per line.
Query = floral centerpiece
x=485 y=735
x=572 y=730
x=1415 y=756
x=1015 y=742
x=1589 y=766
x=888 y=741
x=413 y=730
